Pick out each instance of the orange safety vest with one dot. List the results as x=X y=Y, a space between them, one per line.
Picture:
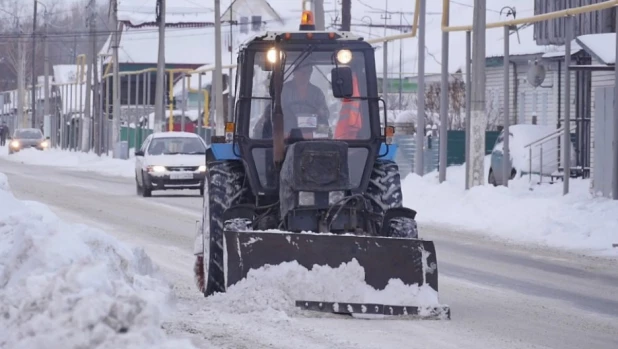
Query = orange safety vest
x=350 y=118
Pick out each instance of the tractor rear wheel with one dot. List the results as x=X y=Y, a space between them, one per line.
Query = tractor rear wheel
x=225 y=187
x=384 y=192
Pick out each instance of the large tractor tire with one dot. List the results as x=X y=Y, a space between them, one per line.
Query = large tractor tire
x=225 y=186
x=384 y=192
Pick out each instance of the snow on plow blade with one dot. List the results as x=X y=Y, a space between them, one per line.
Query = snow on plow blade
x=410 y=260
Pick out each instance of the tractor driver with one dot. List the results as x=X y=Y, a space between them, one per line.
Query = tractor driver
x=298 y=97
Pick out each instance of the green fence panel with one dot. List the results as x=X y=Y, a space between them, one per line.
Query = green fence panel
x=128 y=134
x=456 y=148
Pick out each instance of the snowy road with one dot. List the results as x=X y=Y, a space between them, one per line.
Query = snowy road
x=501 y=295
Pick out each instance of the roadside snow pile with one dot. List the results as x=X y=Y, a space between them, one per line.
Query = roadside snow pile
x=540 y=214
x=277 y=288
x=74 y=160
x=70 y=286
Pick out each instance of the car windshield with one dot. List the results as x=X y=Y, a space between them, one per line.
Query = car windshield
x=176 y=145
x=28 y=134
x=307 y=100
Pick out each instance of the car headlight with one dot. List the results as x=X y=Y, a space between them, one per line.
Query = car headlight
x=44 y=144
x=202 y=168
x=15 y=144
x=157 y=168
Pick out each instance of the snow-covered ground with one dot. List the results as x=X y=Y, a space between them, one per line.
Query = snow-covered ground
x=71 y=286
x=74 y=160
x=521 y=213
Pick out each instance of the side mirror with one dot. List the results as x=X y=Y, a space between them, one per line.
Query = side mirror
x=47 y=138
x=139 y=153
x=342 y=82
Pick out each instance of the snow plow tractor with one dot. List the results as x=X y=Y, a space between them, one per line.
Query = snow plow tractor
x=306 y=174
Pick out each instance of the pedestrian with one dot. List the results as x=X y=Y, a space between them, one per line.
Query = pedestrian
x=4 y=133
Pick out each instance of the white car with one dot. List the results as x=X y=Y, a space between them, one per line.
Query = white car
x=170 y=160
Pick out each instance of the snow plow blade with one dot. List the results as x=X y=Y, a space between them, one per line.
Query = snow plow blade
x=410 y=260
x=424 y=312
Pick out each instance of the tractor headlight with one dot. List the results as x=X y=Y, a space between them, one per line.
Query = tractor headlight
x=306 y=198
x=271 y=55
x=15 y=144
x=335 y=196
x=344 y=56
x=202 y=168
x=157 y=169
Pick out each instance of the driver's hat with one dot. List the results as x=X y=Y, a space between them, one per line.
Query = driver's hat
x=305 y=65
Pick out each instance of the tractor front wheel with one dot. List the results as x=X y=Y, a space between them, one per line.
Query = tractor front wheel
x=225 y=187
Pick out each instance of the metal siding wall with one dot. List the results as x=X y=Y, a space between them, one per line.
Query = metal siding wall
x=599 y=79
x=552 y=32
x=603 y=116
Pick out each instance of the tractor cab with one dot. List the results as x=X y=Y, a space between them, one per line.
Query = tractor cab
x=327 y=87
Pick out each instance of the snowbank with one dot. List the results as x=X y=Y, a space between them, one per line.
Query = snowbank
x=74 y=160
x=69 y=286
x=276 y=288
x=523 y=213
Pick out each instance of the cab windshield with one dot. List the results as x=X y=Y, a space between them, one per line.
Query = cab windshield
x=309 y=107
x=177 y=145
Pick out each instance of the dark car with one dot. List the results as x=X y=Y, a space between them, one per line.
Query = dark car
x=27 y=138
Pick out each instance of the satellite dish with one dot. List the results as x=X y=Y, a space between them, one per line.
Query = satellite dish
x=536 y=73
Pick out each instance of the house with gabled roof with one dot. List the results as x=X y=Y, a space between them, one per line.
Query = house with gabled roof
x=189 y=43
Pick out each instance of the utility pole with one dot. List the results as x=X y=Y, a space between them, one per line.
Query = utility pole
x=319 y=15
x=96 y=115
x=346 y=15
x=478 y=122
x=46 y=113
x=21 y=75
x=160 y=87
x=88 y=107
x=33 y=118
x=419 y=162
x=401 y=63
x=116 y=84
x=218 y=74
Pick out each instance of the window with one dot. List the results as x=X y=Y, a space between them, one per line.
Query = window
x=256 y=23
x=306 y=96
x=176 y=145
x=28 y=134
x=244 y=25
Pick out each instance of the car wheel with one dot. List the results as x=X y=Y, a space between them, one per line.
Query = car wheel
x=202 y=190
x=138 y=188
x=492 y=178
x=146 y=191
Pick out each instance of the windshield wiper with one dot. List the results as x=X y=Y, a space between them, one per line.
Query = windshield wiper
x=303 y=54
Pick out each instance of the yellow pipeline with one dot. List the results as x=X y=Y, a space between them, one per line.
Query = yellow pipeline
x=206 y=108
x=81 y=68
x=170 y=125
x=532 y=19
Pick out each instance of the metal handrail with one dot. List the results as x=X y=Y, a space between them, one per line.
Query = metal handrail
x=556 y=134
x=539 y=144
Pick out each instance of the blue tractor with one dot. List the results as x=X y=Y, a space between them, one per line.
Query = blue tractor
x=305 y=172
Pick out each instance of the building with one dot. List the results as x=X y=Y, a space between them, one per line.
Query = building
x=189 y=45
x=594 y=32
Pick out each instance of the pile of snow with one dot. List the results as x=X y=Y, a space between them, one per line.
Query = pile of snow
x=69 y=286
x=537 y=214
x=74 y=160
x=277 y=288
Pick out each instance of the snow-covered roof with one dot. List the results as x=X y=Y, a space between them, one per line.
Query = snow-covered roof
x=176 y=134
x=139 y=12
x=601 y=46
x=559 y=51
x=182 y=45
x=73 y=96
